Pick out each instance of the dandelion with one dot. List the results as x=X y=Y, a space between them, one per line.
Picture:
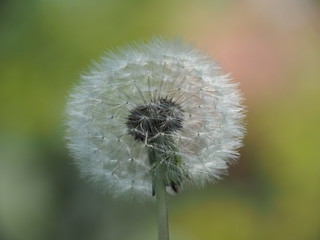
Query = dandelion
x=153 y=117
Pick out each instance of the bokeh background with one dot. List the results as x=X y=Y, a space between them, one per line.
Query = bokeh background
x=271 y=47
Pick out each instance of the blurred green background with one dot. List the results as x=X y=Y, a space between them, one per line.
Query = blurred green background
x=271 y=47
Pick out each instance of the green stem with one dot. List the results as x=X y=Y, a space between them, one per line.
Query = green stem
x=162 y=210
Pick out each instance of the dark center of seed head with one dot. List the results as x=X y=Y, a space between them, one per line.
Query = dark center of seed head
x=160 y=116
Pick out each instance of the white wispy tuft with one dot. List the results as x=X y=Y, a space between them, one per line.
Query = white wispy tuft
x=163 y=98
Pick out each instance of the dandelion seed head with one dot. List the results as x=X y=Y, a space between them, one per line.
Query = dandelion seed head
x=162 y=98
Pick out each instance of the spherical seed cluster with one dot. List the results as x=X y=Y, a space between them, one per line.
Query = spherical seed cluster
x=163 y=99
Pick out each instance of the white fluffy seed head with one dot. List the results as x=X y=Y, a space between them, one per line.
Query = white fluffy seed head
x=138 y=94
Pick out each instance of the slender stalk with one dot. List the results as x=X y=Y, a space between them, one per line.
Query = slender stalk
x=162 y=210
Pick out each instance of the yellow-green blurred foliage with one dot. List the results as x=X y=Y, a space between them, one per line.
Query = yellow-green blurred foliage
x=271 y=47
